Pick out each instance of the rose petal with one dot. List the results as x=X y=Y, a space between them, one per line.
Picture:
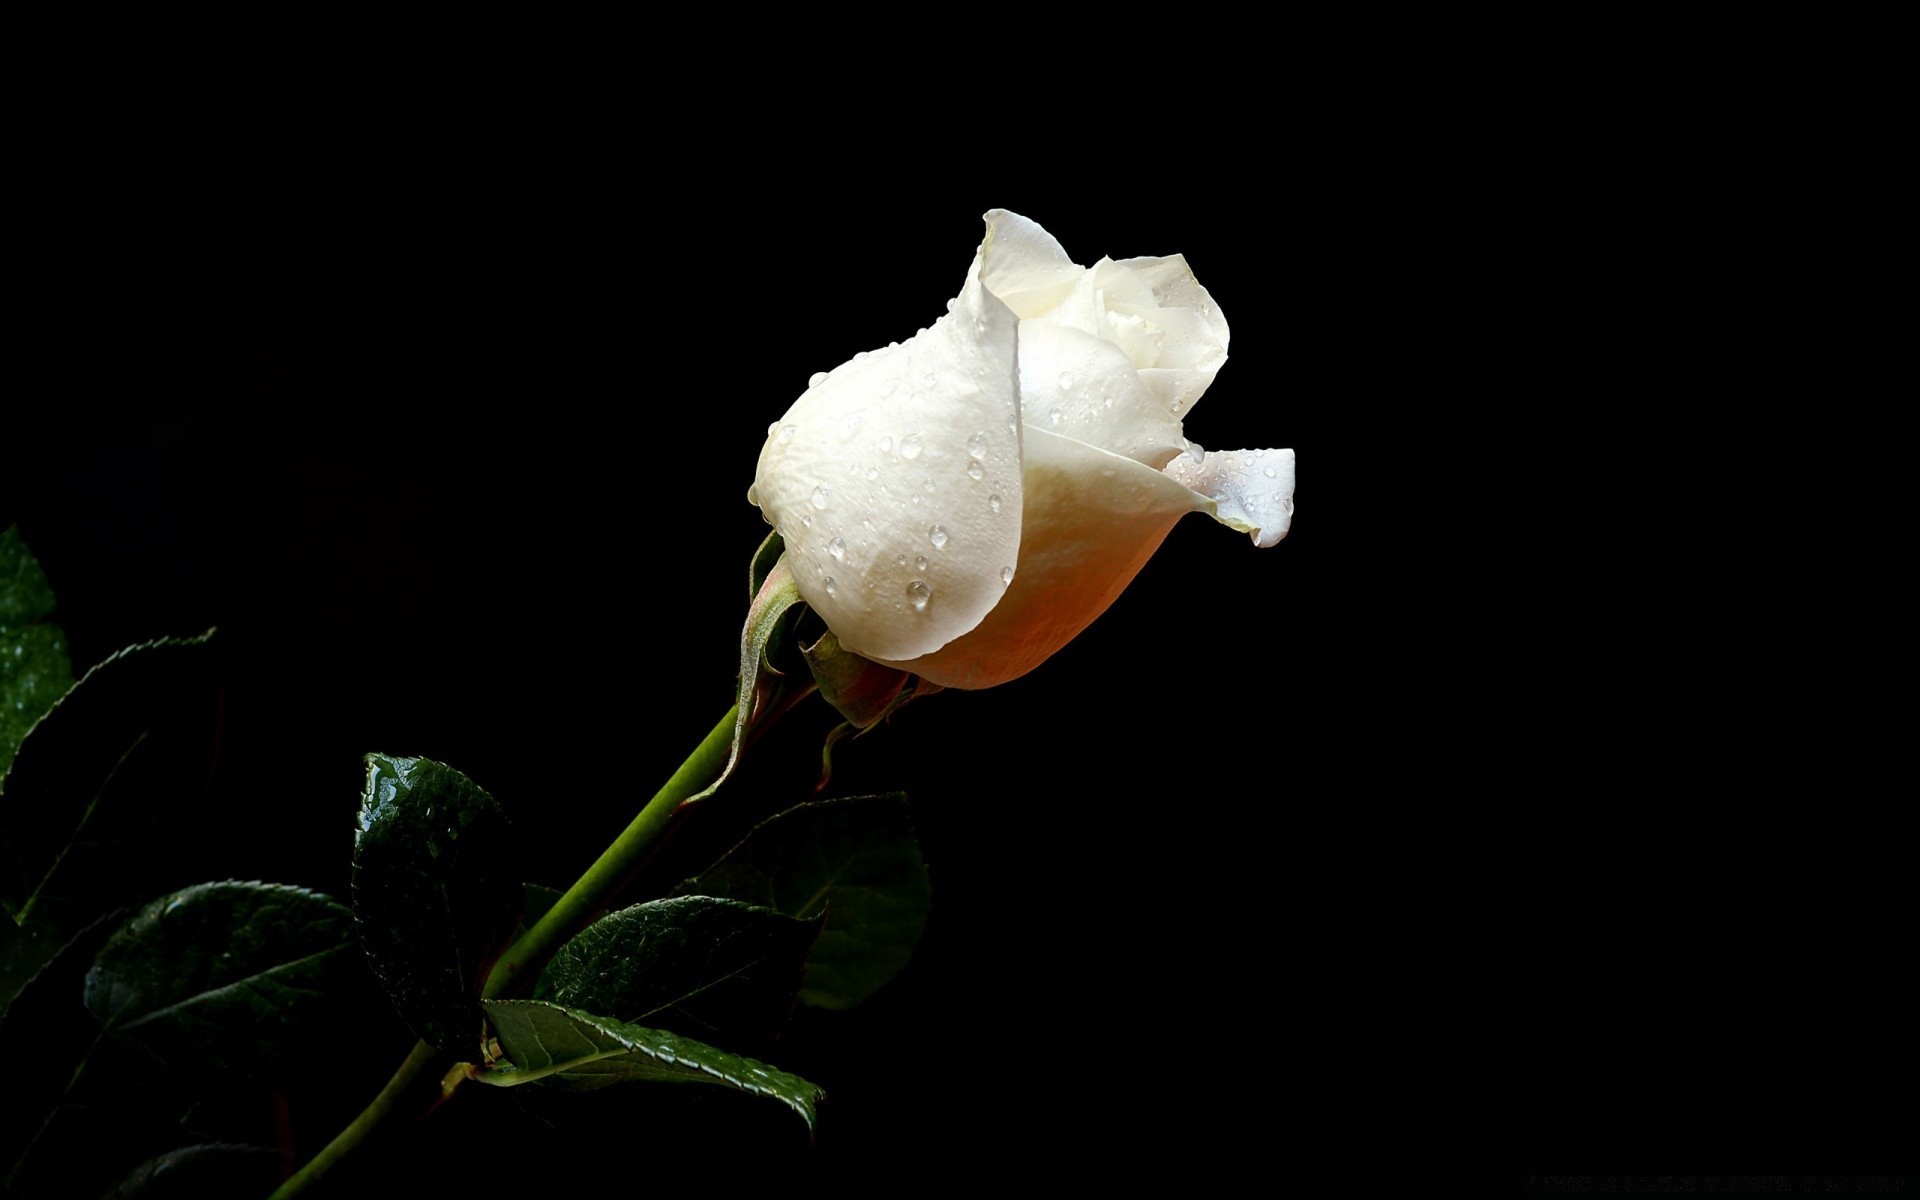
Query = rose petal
x=1250 y=490
x=1174 y=286
x=873 y=472
x=1026 y=267
x=1092 y=521
x=1086 y=388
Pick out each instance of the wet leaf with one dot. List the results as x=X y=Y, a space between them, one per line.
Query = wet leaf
x=226 y=977
x=854 y=859
x=436 y=893
x=719 y=969
x=542 y=1041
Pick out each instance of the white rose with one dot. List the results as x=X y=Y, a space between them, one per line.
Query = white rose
x=961 y=505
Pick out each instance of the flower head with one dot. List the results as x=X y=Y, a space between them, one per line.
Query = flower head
x=962 y=504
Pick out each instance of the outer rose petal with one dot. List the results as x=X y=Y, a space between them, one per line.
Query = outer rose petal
x=903 y=457
x=1092 y=520
x=1251 y=490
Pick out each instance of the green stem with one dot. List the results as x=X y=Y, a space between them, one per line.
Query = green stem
x=567 y=917
x=364 y=1124
x=591 y=892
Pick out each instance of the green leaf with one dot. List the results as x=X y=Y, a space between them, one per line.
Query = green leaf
x=101 y=787
x=720 y=969
x=34 y=668
x=545 y=1041
x=854 y=859
x=436 y=892
x=49 y=1036
x=226 y=977
x=216 y=1171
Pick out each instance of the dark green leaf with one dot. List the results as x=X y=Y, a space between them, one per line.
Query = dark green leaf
x=219 y=1171
x=857 y=861
x=545 y=1041
x=539 y=898
x=48 y=1036
x=34 y=668
x=101 y=787
x=226 y=977
x=720 y=969
x=436 y=891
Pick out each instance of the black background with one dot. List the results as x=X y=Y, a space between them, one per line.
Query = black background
x=1293 y=857
x=453 y=446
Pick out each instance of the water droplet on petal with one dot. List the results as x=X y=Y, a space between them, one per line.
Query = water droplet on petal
x=832 y=587
x=807 y=521
x=838 y=548
x=1270 y=473
x=938 y=536
x=993 y=502
x=975 y=470
x=1066 y=381
x=927 y=381
x=920 y=562
x=753 y=496
x=816 y=379
x=951 y=301
x=820 y=495
x=786 y=434
x=910 y=446
x=1006 y=575
x=886 y=445
x=899 y=560
x=918 y=594
x=977 y=446
x=873 y=472
x=1054 y=416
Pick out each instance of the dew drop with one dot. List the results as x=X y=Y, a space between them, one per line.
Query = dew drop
x=433 y=849
x=1054 y=416
x=771 y=426
x=1066 y=381
x=1006 y=575
x=910 y=446
x=927 y=381
x=920 y=562
x=899 y=560
x=753 y=495
x=886 y=445
x=816 y=379
x=1286 y=506
x=873 y=473
x=1270 y=473
x=928 y=486
x=838 y=548
x=918 y=594
x=786 y=434
x=832 y=587
x=975 y=470
x=993 y=502
x=951 y=302
x=807 y=521
x=977 y=446
x=453 y=835
x=938 y=536
x=820 y=495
